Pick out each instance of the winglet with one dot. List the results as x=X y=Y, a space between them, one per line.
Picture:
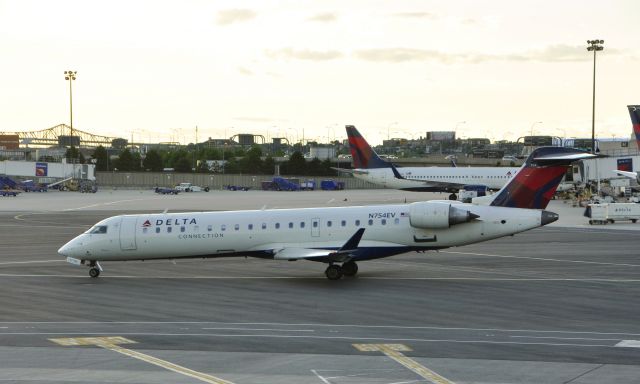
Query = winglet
x=353 y=242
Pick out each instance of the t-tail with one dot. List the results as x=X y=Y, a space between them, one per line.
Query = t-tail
x=634 y=111
x=364 y=157
x=536 y=182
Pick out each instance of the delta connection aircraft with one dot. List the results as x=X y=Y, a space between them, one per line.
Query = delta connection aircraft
x=370 y=167
x=634 y=112
x=338 y=236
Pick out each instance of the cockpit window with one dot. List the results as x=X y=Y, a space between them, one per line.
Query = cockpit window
x=98 y=229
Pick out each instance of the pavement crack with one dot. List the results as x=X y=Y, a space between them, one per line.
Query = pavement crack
x=583 y=374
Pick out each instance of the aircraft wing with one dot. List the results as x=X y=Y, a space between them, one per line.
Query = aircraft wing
x=327 y=255
x=632 y=175
x=356 y=171
x=312 y=253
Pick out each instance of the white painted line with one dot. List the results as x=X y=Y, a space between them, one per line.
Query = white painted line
x=629 y=344
x=30 y=262
x=541 y=259
x=563 y=338
x=350 y=338
x=325 y=381
x=515 y=279
x=261 y=329
x=326 y=325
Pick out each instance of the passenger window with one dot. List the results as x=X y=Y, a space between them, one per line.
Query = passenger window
x=357 y=223
x=196 y=228
x=396 y=221
x=223 y=227
x=370 y=221
x=315 y=224
x=236 y=227
x=157 y=229
x=290 y=225
x=182 y=229
x=144 y=230
x=302 y=224
x=264 y=225
x=384 y=221
x=343 y=223
x=209 y=228
x=250 y=226
x=329 y=223
x=277 y=225
x=169 y=229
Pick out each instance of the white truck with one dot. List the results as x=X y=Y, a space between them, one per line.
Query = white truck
x=188 y=187
x=612 y=212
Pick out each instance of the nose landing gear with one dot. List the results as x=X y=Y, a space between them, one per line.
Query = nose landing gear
x=94 y=269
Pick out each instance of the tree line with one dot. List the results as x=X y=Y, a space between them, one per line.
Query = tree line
x=193 y=159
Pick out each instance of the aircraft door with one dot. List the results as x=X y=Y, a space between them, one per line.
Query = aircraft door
x=128 y=233
x=315 y=227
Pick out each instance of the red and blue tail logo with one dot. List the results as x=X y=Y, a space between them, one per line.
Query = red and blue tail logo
x=536 y=182
x=634 y=111
x=364 y=156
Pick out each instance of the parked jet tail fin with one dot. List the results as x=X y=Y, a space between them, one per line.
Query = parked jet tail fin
x=538 y=178
x=634 y=111
x=363 y=155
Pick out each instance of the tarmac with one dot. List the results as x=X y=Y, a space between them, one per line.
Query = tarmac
x=559 y=304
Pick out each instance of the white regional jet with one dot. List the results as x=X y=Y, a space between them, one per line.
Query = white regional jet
x=634 y=112
x=370 y=167
x=338 y=236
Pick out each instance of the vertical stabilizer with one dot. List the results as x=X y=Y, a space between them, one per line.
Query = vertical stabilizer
x=634 y=111
x=364 y=157
x=536 y=182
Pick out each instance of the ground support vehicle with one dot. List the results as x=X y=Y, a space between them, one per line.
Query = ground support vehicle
x=166 y=191
x=188 y=187
x=612 y=212
x=331 y=185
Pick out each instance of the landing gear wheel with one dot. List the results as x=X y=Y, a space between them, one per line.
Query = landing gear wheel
x=94 y=272
x=453 y=196
x=333 y=272
x=350 y=268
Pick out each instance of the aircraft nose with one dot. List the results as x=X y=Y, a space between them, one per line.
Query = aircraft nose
x=65 y=250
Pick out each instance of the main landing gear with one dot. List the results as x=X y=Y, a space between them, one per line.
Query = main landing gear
x=335 y=272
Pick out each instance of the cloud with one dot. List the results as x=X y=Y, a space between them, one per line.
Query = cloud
x=254 y=119
x=290 y=53
x=327 y=17
x=417 y=15
x=399 y=55
x=245 y=71
x=551 y=54
x=230 y=16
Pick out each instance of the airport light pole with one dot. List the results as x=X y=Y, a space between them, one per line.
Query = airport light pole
x=595 y=46
x=533 y=125
x=70 y=75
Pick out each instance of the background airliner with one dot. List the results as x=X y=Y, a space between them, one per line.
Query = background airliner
x=634 y=112
x=370 y=167
x=339 y=236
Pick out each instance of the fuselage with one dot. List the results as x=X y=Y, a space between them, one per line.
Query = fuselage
x=389 y=230
x=438 y=178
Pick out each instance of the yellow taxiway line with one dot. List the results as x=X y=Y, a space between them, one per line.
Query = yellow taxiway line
x=394 y=352
x=112 y=344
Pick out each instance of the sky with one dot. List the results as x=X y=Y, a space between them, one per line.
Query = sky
x=304 y=69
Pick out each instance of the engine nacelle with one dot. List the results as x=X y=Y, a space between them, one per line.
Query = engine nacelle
x=432 y=215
